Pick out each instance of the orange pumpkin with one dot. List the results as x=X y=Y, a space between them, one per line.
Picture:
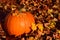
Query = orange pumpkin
x=18 y=23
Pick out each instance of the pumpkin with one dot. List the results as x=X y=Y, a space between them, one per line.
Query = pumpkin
x=18 y=23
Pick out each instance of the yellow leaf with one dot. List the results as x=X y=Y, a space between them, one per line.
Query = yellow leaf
x=58 y=31
x=40 y=26
x=33 y=26
x=50 y=10
x=31 y=38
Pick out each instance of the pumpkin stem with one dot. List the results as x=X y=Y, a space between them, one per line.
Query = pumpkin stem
x=22 y=10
